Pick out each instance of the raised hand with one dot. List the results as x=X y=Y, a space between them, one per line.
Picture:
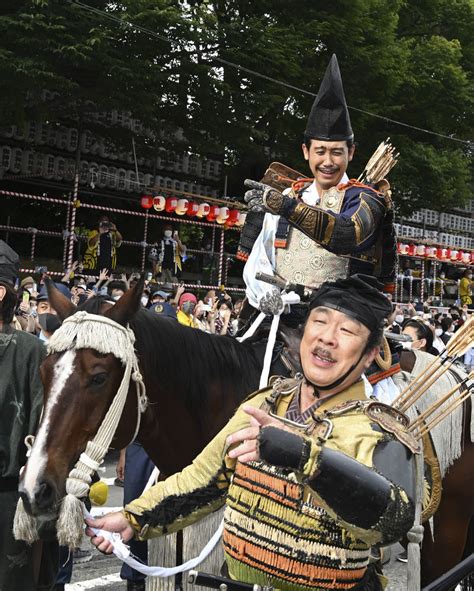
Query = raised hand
x=254 y=197
x=246 y=439
x=103 y=275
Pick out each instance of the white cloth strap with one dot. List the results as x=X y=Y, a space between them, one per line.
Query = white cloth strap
x=122 y=551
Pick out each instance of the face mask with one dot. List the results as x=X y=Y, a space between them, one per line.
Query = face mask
x=168 y=233
x=438 y=332
x=417 y=344
x=49 y=322
x=469 y=276
x=144 y=301
x=188 y=307
x=399 y=318
x=442 y=276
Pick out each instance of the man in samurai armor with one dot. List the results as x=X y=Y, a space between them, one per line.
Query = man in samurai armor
x=325 y=227
x=311 y=472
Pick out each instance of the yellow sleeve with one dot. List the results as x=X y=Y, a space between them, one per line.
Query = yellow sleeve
x=92 y=234
x=189 y=495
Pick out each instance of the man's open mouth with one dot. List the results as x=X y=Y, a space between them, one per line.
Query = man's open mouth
x=323 y=357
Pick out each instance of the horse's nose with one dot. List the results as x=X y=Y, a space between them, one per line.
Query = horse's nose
x=45 y=495
x=42 y=500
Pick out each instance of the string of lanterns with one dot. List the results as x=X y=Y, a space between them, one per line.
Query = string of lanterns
x=222 y=215
x=436 y=252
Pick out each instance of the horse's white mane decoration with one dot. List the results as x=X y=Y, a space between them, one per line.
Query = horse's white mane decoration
x=89 y=331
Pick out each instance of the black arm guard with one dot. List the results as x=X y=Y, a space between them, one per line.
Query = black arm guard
x=369 y=498
x=282 y=448
x=339 y=234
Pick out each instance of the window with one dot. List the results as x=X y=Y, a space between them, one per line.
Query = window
x=6 y=157
x=28 y=164
x=50 y=165
x=52 y=137
x=62 y=138
x=112 y=178
x=31 y=131
x=38 y=166
x=59 y=168
x=121 y=179
x=103 y=176
x=194 y=165
x=72 y=140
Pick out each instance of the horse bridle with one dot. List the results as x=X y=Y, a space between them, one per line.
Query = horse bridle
x=79 y=332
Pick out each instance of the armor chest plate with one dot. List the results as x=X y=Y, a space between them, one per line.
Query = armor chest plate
x=306 y=262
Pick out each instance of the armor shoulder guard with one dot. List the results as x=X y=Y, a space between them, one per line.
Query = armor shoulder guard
x=281 y=385
x=278 y=387
x=393 y=421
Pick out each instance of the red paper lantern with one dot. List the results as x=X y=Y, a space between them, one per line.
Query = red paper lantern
x=146 y=201
x=448 y=254
x=441 y=253
x=411 y=249
x=402 y=248
x=233 y=216
x=171 y=204
x=460 y=255
x=182 y=206
x=203 y=210
x=223 y=215
x=193 y=208
x=159 y=203
x=213 y=213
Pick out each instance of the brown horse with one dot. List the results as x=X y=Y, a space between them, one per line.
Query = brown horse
x=194 y=382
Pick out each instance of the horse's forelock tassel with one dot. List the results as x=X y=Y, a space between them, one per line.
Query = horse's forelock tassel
x=70 y=524
x=24 y=525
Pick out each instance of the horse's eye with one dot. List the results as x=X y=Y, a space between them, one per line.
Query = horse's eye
x=98 y=379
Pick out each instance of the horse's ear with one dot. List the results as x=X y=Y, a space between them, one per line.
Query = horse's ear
x=128 y=305
x=58 y=301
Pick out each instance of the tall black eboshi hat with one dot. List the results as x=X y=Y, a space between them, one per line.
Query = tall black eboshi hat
x=329 y=118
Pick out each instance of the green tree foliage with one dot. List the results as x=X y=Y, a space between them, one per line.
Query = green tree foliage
x=407 y=60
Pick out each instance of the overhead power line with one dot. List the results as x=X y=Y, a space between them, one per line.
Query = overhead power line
x=241 y=68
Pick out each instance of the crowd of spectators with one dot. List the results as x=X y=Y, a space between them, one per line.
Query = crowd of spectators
x=214 y=313
x=431 y=327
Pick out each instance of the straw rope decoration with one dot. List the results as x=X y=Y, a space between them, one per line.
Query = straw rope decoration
x=459 y=343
